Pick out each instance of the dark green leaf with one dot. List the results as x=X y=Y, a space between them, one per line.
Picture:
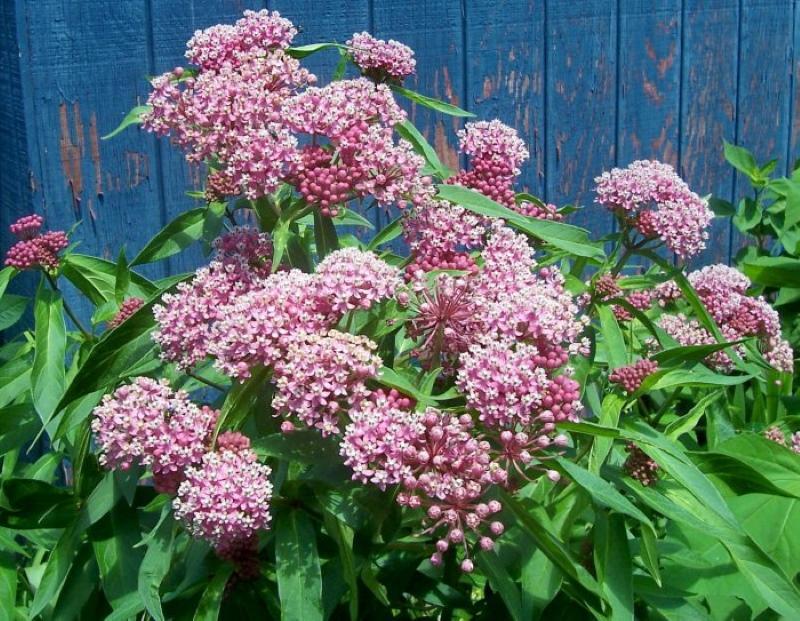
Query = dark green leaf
x=773 y=271
x=183 y=231
x=409 y=132
x=301 y=51
x=613 y=340
x=324 y=235
x=298 y=568
x=210 y=602
x=391 y=231
x=613 y=564
x=11 y=309
x=501 y=582
x=155 y=565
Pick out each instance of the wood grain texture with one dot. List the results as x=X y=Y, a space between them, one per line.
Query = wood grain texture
x=708 y=111
x=581 y=100
x=763 y=115
x=507 y=81
x=589 y=84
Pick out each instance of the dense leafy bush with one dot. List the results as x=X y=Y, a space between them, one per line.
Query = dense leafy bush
x=477 y=411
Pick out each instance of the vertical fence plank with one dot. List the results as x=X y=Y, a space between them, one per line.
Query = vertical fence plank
x=649 y=73
x=581 y=99
x=794 y=107
x=763 y=108
x=85 y=64
x=709 y=107
x=505 y=69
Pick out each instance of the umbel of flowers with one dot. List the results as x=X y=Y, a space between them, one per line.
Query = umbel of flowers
x=472 y=303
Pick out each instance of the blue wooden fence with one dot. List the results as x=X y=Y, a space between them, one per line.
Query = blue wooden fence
x=588 y=83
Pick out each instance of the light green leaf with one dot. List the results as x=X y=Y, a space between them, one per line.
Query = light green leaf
x=48 y=375
x=612 y=558
x=134 y=117
x=562 y=236
x=430 y=102
x=155 y=564
x=613 y=341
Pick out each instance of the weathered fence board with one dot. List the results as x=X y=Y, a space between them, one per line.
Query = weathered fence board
x=589 y=84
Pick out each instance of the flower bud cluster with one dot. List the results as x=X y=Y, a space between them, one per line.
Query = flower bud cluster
x=34 y=248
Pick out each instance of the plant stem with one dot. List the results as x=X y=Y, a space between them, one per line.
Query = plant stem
x=205 y=381
x=54 y=285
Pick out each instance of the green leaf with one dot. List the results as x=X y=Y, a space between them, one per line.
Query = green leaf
x=210 y=602
x=298 y=568
x=555 y=550
x=410 y=133
x=325 y=235
x=242 y=399
x=55 y=573
x=155 y=564
x=113 y=540
x=741 y=159
x=688 y=422
x=134 y=117
x=212 y=224
x=721 y=207
x=391 y=231
x=773 y=271
x=11 y=309
x=603 y=492
x=686 y=378
x=96 y=278
x=122 y=279
x=609 y=417
x=343 y=536
x=613 y=339
x=540 y=581
x=501 y=583
x=8 y=585
x=6 y=274
x=430 y=102
x=689 y=353
x=565 y=237
x=111 y=358
x=48 y=376
x=613 y=563
x=301 y=51
x=183 y=231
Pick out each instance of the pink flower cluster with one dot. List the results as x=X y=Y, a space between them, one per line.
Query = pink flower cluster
x=257 y=31
x=440 y=236
x=126 y=309
x=382 y=60
x=186 y=318
x=496 y=153
x=322 y=376
x=775 y=434
x=631 y=377
x=439 y=462
x=350 y=279
x=34 y=248
x=146 y=423
x=225 y=498
x=723 y=291
x=653 y=199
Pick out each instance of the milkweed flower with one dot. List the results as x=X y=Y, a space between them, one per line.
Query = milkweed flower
x=147 y=423
x=321 y=376
x=126 y=309
x=630 y=377
x=652 y=198
x=382 y=60
x=352 y=279
x=34 y=248
x=225 y=498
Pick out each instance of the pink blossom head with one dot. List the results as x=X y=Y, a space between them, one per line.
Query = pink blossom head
x=352 y=279
x=35 y=249
x=225 y=498
x=261 y=30
x=652 y=198
x=493 y=147
x=257 y=327
x=322 y=376
x=382 y=60
x=630 y=377
x=146 y=423
x=126 y=309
